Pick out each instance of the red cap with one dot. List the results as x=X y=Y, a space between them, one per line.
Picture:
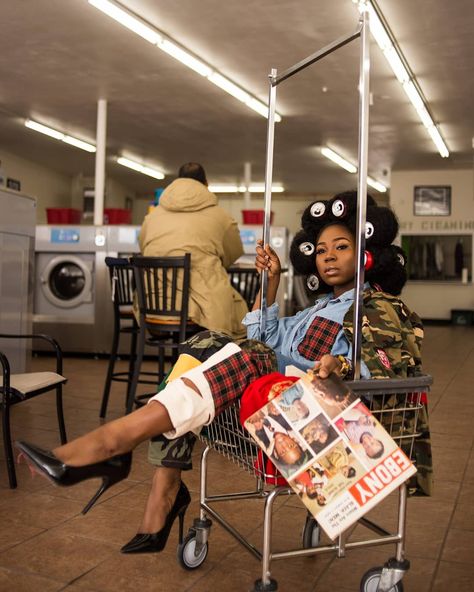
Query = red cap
x=261 y=391
x=256 y=396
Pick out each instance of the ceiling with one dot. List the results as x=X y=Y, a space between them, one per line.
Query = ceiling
x=57 y=58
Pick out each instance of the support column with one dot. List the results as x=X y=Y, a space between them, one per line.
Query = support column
x=247 y=181
x=99 y=184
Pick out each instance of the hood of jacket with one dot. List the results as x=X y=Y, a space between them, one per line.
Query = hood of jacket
x=187 y=195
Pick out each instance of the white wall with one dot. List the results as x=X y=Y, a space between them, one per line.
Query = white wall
x=51 y=189
x=435 y=300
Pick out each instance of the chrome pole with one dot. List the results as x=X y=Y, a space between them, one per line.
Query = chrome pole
x=268 y=195
x=364 y=75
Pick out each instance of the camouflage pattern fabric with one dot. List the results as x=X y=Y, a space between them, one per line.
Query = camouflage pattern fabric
x=391 y=348
x=177 y=453
x=391 y=336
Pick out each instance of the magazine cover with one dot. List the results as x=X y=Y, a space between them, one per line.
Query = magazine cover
x=333 y=452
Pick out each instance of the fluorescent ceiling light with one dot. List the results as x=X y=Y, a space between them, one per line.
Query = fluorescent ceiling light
x=79 y=143
x=52 y=133
x=376 y=185
x=393 y=55
x=184 y=57
x=351 y=168
x=342 y=162
x=140 y=168
x=127 y=20
x=257 y=188
x=177 y=51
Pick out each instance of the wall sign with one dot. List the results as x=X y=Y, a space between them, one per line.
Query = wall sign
x=432 y=200
x=13 y=184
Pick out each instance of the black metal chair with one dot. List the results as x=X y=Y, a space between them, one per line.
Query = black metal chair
x=246 y=280
x=17 y=388
x=162 y=285
x=122 y=284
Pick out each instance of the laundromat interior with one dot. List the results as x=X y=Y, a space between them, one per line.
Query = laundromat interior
x=284 y=104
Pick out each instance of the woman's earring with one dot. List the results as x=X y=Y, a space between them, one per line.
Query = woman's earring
x=368 y=260
x=312 y=282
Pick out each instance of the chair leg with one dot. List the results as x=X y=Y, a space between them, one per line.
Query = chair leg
x=110 y=371
x=60 y=412
x=7 y=444
x=136 y=370
x=132 y=360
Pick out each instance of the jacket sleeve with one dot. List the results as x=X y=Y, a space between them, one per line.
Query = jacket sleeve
x=391 y=337
x=233 y=248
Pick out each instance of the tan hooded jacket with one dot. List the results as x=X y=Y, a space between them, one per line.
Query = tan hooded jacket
x=188 y=220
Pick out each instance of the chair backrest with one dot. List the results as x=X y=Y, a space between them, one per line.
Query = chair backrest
x=122 y=280
x=162 y=285
x=246 y=281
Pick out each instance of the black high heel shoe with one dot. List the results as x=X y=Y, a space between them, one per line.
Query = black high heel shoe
x=111 y=471
x=156 y=541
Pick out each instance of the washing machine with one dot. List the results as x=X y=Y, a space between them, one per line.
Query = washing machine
x=68 y=269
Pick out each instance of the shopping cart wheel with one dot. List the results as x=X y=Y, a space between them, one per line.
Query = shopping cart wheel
x=311 y=533
x=370 y=581
x=191 y=554
x=272 y=586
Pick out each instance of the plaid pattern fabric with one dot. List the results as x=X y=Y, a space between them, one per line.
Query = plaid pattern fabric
x=228 y=379
x=319 y=339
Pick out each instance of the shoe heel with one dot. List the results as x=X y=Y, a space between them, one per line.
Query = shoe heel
x=181 y=524
x=105 y=485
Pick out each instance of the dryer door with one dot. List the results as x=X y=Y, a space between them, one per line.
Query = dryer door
x=67 y=281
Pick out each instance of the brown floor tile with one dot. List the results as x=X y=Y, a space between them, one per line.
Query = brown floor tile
x=61 y=557
x=454 y=576
x=459 y=546
x=13 y=581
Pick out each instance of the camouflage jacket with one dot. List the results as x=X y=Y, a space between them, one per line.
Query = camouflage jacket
x=391 y=336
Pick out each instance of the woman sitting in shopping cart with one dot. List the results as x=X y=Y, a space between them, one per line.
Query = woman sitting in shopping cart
x=317 y=338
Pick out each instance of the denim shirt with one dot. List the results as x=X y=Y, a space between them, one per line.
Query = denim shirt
x=285 y=334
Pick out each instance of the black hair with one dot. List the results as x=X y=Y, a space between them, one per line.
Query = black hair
x=388 y=261
x=193 y=170
x=351 y=473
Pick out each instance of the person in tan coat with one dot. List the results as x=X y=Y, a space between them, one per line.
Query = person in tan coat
x=188 y=219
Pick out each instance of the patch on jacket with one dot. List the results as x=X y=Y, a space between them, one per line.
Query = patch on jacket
x=319 y=339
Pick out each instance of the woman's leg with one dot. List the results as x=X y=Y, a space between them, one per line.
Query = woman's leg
x=170 y=457
x=116 y=437
x=164 y=489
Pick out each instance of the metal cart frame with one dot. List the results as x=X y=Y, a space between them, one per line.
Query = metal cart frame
x=226 y=435
x=395 y=403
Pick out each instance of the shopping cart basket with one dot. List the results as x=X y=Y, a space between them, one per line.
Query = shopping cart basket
x=398 y=405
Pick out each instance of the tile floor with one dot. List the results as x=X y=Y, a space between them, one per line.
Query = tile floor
x=46 y=544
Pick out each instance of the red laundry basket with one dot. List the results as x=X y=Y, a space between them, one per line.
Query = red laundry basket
x=63 y=216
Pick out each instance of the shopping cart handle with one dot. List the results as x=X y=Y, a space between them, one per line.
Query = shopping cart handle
x=390 y=385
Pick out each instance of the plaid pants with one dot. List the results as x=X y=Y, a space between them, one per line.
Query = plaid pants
x=227 y=380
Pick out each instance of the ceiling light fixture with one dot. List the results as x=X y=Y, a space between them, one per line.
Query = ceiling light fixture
x=387 y=43
x=52 y=133
x=140 y=168
x=351 y=168
x=257 y=188
x=164 y=42
x=342 y=162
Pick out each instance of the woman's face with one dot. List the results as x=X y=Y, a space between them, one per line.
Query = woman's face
x=287 y=450
x=335 y=258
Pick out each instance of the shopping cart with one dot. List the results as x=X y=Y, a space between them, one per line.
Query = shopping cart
x=398 y=404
